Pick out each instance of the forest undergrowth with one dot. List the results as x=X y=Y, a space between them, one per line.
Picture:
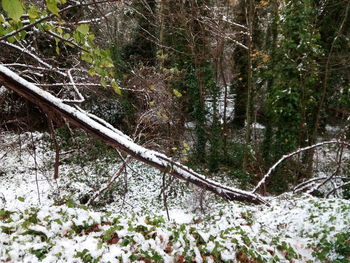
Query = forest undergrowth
x=138 y=220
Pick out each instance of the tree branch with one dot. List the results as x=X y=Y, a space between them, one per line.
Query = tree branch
x=160 y=161
x=284 y=157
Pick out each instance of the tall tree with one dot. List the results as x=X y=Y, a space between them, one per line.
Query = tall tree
x=143 y=47
x=294 y=92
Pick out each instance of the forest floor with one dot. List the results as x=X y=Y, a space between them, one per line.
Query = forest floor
x=42 y=220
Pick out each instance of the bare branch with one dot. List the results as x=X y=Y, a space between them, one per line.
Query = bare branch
x=39 y=60
x=81 y=98
x=284 y=157
x=337 y=188
x=110 y=181
x=53 y=34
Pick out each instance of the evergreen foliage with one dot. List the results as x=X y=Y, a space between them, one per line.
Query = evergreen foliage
x=295 y=72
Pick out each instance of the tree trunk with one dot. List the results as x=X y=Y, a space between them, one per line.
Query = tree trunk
x=249 y=18
x=117 y=139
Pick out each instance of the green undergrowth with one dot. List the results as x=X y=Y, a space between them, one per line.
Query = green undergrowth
x=294 y=230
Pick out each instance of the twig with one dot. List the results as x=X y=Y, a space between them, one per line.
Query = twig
x=57 y=150
x=80 y=97
x=337 y=188
x=4 y=155
x=341 y=150
x=110 y=182
x=53 y=34
x=36 y=167
x=165 y=196
x=24 y=50
x=306 y=184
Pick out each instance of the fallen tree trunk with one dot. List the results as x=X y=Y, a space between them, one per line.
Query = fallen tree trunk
x=117 y=139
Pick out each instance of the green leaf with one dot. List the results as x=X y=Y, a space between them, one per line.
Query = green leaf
x=21 y=199
x=91 y=37
x=60 y=30
x=177 y=93
x=103 y=83
x=70 y=203
x=5 y=214
x=57 y=47
x=78 y=37
x=86 y=57
x=34 y=232
x=11 y=39
x=2 y=18
x=58 y=221
x=52 y=6
x=3 y=31
x=84 y=29
x=33 y=12
x=13 y=8
x=116 y=87
x=92 y=72
x=7 y=229
x=106 y=63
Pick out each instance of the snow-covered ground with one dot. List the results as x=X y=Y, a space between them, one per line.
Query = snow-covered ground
x=42 y=221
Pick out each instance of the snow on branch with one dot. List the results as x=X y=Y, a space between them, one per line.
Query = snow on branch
x=284 y=157
x=227 y=20
x=336 y=189
x=35 y=57
x=80 y=97
x=118 y=140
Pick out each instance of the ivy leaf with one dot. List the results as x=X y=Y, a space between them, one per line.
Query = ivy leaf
x=13 y=8
x=84 y=29
x=52 y=6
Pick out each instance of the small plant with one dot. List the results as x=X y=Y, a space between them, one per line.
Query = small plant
x=86 y=257
x=336 y=250
x=40 y=253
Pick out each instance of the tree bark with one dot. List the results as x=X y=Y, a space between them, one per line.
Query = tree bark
x=118 y=140
x=249 y=17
